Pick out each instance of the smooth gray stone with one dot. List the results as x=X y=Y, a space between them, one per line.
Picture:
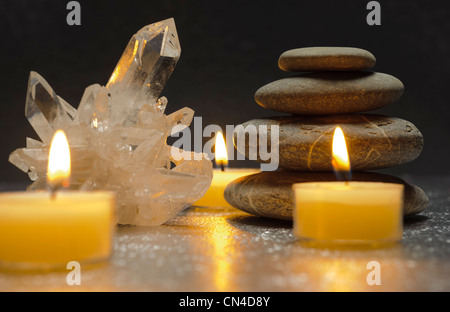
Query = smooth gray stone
x=305 y=142
x=324 y=93
x=269 y=194
x=326 y=59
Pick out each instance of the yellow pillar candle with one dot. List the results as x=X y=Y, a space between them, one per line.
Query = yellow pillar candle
x=350 y=212
x=40 y=232
x=46 y=230
x=221 y=177
x=214 y=195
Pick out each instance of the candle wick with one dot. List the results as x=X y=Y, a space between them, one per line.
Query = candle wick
x=53 y=194
x=343 y=175
x=222 y=167
x=53 y=189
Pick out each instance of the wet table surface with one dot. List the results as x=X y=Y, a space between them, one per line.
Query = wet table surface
x=223 y=249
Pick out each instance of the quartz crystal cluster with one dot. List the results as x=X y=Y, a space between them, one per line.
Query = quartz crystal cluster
x=118 y=134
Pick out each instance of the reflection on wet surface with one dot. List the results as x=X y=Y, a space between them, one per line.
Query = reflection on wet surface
x=213 y=249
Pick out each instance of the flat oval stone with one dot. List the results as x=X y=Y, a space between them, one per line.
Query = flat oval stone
x=305 y=142
x=269 y=194
x=326 y=59
x=330 y=93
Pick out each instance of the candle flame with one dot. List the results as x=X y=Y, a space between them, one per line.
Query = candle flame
x=58 y=172
x=340 y=160
x=221 y=155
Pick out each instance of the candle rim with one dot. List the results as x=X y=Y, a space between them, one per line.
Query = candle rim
x=348 y=186
x=78 y=196
x=228 y=169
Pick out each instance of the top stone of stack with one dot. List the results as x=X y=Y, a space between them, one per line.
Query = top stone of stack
x=326 y=59
x=335 y=80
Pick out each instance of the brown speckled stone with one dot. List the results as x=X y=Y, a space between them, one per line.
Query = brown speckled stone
x=326 y=59
x=324 y=93
x=269 y=194
x=305 y=142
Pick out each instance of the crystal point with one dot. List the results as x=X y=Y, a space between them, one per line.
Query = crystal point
x=94 y=108
x=69 y=110
x=180 y=119
x=33 y=143
x=43 y=108
x=144 y=68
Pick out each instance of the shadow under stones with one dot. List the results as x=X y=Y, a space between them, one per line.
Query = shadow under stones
x=414 y=220
x=247 y=223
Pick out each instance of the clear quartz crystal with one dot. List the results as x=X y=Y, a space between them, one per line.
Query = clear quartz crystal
x=180 y=119
x=118 y=134
x=144 y=68
x=43 y=108
x=94 y=108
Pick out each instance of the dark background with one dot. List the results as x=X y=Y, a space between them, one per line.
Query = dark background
x=229 y=50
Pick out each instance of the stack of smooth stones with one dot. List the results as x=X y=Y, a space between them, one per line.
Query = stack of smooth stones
x=334 y=89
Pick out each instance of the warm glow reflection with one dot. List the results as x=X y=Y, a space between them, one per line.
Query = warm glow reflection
x=220 y=251
x=221 y=240
x=346 y=269
x=58 y=172
x=124 y=63
x=221 y=150
x=95 y=121
x=340 y=275
x=340 y=160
